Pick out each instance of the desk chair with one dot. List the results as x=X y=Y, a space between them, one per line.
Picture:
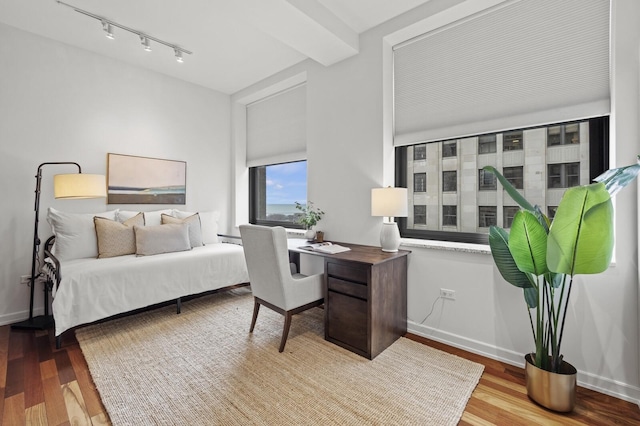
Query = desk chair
x=272 y=282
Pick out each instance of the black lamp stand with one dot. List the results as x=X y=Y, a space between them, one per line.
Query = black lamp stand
x=45 y=321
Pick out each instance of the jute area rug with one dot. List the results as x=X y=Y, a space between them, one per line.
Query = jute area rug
x=202 y=367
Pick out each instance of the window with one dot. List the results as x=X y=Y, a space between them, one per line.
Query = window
x=419 y=215
x=466 y=189
x=564 y=134
x=419 y=182
x=273 y=191
x=486 y=180
x=449 y=149
x=512 y=141
x=487 y=144
x=508 y=212
x=487 y=216
x=449 y=215
x=564 y=175
x=514 y=175
x=450 y=181
x=420 y=152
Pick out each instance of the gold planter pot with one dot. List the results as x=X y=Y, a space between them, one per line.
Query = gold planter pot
x=555 y=391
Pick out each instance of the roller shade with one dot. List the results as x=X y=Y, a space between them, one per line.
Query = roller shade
x=522 y=63
x=277 y=128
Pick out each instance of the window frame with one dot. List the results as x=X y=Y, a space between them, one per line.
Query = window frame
x=254 y=186
x=598 y=163
x=445 y=180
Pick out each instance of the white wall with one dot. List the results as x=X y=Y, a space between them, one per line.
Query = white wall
x=349 y=152
x=61 y=103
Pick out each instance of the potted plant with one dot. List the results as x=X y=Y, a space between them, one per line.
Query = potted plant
x=542 y=257
x=310 y=216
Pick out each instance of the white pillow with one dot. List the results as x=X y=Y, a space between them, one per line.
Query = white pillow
x=124 y=215
x=75 y=233
x=158 y=239
x=208 y=224
x=155 y=217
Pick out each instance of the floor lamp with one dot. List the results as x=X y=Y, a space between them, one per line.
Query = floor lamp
x=391 y=202
x=69 y=186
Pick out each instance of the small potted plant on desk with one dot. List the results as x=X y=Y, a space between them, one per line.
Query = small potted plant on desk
x=542 y=256
x=310 y=216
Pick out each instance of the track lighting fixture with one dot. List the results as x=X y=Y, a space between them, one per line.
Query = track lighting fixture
x=145 y=39
x=106 y=27
x=145 y=42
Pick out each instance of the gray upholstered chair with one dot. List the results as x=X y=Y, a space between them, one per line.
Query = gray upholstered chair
x=272 y=282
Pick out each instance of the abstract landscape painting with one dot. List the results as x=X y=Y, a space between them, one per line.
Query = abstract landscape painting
x=142 y=180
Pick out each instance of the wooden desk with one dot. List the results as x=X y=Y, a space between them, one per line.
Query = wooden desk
x=365 y=297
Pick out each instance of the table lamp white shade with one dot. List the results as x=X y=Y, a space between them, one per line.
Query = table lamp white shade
x=79 y=185
x=391 y=202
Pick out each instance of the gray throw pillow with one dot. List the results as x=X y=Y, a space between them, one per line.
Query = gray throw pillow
x=158 y=239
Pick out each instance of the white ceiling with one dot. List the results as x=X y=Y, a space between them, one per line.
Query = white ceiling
x=235 y=43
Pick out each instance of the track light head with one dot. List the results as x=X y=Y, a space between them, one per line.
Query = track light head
x=106 y=27
x=178 y=53
x=145 y=42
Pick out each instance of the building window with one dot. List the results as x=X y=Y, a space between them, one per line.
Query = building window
x=512 y=141
x=273 y=192
x=551 y=212
x=508 y=212
x=450 y=181
x=449 y=149
x=466 y=186
x=419 y=182
x=487 y=144
x=564 y=134
x=449 y=215
x=420 y=152
x=515 y=176
x=419 y=215
x=486 y=180
x=487 y=216
x=564 y=175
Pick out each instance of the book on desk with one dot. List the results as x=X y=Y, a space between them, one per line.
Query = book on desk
x=325 y=247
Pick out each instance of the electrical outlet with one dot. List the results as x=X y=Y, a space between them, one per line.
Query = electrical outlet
x=25 y=279
x=448 y=294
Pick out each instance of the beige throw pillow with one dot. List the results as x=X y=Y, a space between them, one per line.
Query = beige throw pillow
x=115 y=238
x=195 y=230
x=156 y=239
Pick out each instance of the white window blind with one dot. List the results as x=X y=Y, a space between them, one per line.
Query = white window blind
x=276 y=128
x=522 y=63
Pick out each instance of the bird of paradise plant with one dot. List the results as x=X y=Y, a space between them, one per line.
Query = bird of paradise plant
x=543 y=256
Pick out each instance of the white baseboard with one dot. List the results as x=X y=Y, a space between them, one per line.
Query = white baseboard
x=587 y=380
x=14 y=317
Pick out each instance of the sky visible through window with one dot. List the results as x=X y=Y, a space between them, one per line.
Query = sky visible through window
x=287 y=183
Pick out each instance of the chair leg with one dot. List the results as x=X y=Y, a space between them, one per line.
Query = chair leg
x=285 y=331
x=256 y=308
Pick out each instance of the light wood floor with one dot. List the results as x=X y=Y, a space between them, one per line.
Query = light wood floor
x=45 y=386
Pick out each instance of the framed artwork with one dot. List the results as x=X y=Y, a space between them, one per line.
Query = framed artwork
x=143 y=180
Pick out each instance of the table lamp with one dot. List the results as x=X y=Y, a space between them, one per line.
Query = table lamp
x=67 y=186
x=389 y=202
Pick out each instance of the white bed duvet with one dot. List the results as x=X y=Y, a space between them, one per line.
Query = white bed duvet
x=93 y=289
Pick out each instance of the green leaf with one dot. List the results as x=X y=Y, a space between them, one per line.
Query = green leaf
x=616 y=179
x=499 y=243
x=531 y=297
x=513 y=192
x=528 y=243
x=581 y=234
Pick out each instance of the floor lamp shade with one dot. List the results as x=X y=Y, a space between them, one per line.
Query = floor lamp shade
x=79 y=185
x=391 y=202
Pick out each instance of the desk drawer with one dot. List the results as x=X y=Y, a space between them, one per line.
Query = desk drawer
x=347 y=320
x=347 y=287
x=347 y=272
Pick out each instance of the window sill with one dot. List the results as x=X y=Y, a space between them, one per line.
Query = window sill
x=446 y=245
